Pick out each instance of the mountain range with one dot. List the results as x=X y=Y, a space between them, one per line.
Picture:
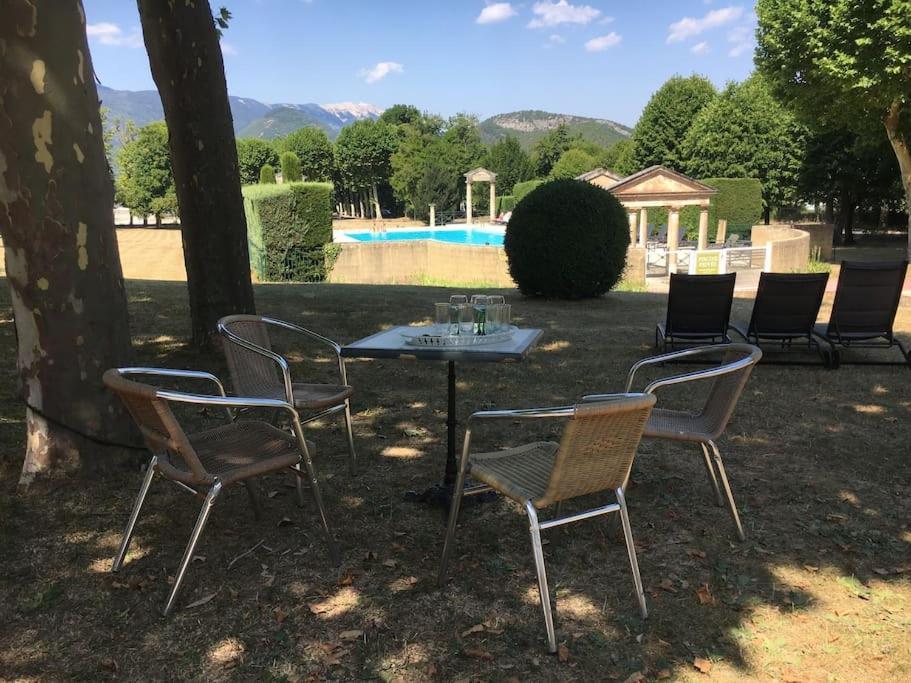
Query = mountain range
x=256 y=119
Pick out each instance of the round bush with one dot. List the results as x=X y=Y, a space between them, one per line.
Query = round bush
x=567 y=239
x=267 y=175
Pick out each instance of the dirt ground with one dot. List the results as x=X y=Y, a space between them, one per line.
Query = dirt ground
x=818 y=460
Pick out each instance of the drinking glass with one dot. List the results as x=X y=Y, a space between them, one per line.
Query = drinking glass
x=479 y=302
x=442 y=317
x=466 y=318
x=496 y=299
x=494 y=313
x=505 y=316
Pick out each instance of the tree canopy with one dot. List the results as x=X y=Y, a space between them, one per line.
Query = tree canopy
x=746 y=133
x=572 y=163
x=252 y=155
x=145 y=184
x=667 y=118
x=509 y=161
x=550 y=148
x=313 y=149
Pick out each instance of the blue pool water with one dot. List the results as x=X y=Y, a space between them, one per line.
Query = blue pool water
x=451 y=236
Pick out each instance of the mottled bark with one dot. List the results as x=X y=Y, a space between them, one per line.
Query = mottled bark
x=57 y=224
x=186 y=62
x=899 y=142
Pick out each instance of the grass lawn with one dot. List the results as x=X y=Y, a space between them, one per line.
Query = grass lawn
x=819 y=463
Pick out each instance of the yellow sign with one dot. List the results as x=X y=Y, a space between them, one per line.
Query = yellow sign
x=708 y=263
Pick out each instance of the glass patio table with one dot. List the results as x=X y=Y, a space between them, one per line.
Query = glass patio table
x=392 y=344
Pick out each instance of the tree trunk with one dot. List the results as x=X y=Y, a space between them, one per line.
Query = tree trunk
x=766 y=214
x=57 y=224
x=376 y=203
x=186 y=62
x=830 y=209
x=902 y=153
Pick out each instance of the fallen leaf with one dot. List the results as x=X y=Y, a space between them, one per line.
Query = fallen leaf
x=108 y=664
x=345 y=580
x=702 y=665
x=201 y=601
x=285 y=521
x=663 y=675
x=704 y=594
x=667 y=585
x=279 y=614
x=478 y=653
x=477 y=628
x=353 y=634
x=635 y=677
x=563 y=652
x=692 y=552
x=390 y=563
x=811 y=568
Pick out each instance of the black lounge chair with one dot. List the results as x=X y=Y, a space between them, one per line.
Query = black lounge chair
x=698 y=310
x=866 y=301
x=785 y=309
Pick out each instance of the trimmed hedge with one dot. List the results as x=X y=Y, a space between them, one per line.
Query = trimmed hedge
x=289 y=230
x=567 y=239
x=505 y=203
x=519 y=190
x=739 y=200
x=267 y=175
x=291 y=167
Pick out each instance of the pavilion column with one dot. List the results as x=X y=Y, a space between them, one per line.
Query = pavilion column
x=632 y=228
x=703 y=229
x=673 y=237
x=468 y=202
x=493 y=201
x=643 y=227
x=433 y=215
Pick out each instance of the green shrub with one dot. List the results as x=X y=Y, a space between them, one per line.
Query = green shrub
x=289 y=230
x=519 y=190
x=573 y=163
x=252 y=155
x=739 y=200
x=567 y=239
x=291 y=167
x=505 y=203
x=267 y=175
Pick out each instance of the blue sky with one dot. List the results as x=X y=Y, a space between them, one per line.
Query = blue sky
x=600 y=58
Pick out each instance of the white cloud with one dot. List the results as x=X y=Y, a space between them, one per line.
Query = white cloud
x=602 y=43
x=700 y=48
x=108 y=33
x=548 y=13
x=606 y=20
x=380 y=70
x=498 y=11
x=555 y=39
x=742 y=37
x=228 y=49
x=688 y=27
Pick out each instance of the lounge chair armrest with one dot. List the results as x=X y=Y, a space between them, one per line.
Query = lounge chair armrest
x=665 y=357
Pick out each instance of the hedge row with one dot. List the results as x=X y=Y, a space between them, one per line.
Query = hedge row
x=506 y=203
x=289 y=227
x=519 y=190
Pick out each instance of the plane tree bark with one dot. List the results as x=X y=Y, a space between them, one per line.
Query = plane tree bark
x=186 y=62
x=57 y=224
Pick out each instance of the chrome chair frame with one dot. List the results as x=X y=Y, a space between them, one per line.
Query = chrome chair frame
x=213 y=492
x=754 y=354
x=535 y=527
x=286 y=373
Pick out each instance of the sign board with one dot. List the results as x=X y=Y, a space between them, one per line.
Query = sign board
x=707 y=263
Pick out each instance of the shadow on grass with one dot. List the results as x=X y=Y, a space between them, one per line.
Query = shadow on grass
x=817 y=461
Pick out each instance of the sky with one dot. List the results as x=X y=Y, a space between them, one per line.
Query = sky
x=598 y=58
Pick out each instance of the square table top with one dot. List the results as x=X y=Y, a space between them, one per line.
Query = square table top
x=392 y=344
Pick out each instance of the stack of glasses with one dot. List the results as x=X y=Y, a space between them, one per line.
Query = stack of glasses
x=482 y=315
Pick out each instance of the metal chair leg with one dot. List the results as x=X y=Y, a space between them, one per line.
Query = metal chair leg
x=538 y=551
x=727 y=490
x=299 y=484
x=352 y=454
x=191 y=546
x=713 y=480
x=315 y=492
x=134 y=515
x=631 y=551
x=451 y=525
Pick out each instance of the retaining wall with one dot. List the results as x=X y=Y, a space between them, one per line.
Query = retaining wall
x=789 y=247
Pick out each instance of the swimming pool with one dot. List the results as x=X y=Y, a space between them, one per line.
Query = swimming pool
x=487 y=235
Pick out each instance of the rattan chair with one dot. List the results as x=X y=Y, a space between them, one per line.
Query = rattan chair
x=698 y=310
x=705 y=425
x=256 y=370
x=863 y=313
x=594 y=455
x=785 y=310
x=205 y=463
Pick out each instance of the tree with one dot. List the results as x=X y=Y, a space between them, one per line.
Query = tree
x=56 y=221
x=363 y=151
x=573 y=163
x=746 y=133
x=550 y=148
x=509 y=161
x=145 y=184
x=667 y=118
x=267 y=175
x=187 y=66
x=313 y=149
x=619 y=158
x=856 y=53
x=434 y=186
x=252 y=155
x=291 y=167
x=399 y=114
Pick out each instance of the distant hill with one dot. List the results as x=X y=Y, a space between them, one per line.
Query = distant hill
x=529 y=126
x=252 y=118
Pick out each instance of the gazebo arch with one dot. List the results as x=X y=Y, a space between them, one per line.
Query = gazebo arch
x=480 y=175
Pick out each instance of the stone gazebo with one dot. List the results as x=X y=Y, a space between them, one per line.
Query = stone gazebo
x=660 y=187
x=480 y=175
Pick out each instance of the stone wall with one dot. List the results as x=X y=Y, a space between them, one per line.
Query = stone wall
x=821 y=235
x=790 y=247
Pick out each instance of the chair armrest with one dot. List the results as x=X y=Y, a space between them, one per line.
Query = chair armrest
x=594 y=398
x=304 y=331
x=523 y=413
x=168 y=372
x=674 y=355
x=226 y=401
x=708 y=373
